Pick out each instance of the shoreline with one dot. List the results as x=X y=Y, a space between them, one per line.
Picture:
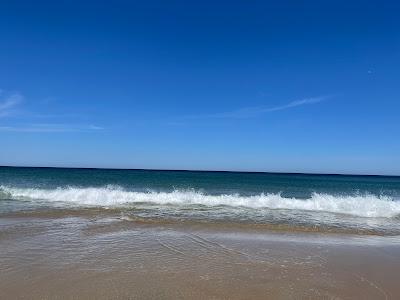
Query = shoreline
x=87 y=258
x=123 y=221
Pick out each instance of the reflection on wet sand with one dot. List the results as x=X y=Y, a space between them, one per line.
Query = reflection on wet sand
x=105 y=257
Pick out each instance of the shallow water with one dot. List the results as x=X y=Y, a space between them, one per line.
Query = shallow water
x=102 y=257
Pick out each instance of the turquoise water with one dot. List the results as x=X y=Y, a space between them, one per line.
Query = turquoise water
x=328 y=202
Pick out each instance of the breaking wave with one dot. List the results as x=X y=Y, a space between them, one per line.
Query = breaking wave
x=358 y=205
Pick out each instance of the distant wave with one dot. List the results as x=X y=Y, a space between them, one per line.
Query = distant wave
x=109 y=196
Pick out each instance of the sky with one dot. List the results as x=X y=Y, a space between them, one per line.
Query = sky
x=278 y=86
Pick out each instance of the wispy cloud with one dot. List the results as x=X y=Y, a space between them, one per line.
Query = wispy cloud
x=254 y=111
x=43 y=128
x=10 y=105
x=8 y=102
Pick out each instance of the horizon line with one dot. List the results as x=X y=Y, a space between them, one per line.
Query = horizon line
x=194 y=170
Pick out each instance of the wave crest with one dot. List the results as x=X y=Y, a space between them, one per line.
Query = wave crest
x=357 y=205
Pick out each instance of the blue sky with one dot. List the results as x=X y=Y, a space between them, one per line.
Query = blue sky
x=235 y=85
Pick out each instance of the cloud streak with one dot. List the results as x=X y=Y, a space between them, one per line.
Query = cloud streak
x=8 y=106
x=250 y=112
x=51 y=128
x=8 y=103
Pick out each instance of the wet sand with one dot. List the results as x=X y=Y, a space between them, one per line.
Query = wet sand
x=108 y=258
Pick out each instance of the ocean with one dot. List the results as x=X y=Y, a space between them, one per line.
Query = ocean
x=141 y=234
x=291 y=202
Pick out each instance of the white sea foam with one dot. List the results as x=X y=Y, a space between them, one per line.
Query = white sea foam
x=109 y=196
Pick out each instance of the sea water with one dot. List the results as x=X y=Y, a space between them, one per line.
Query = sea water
x=356 y=204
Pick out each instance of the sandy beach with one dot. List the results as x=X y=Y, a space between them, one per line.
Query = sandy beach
x=76 y=257
x=243 y=150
